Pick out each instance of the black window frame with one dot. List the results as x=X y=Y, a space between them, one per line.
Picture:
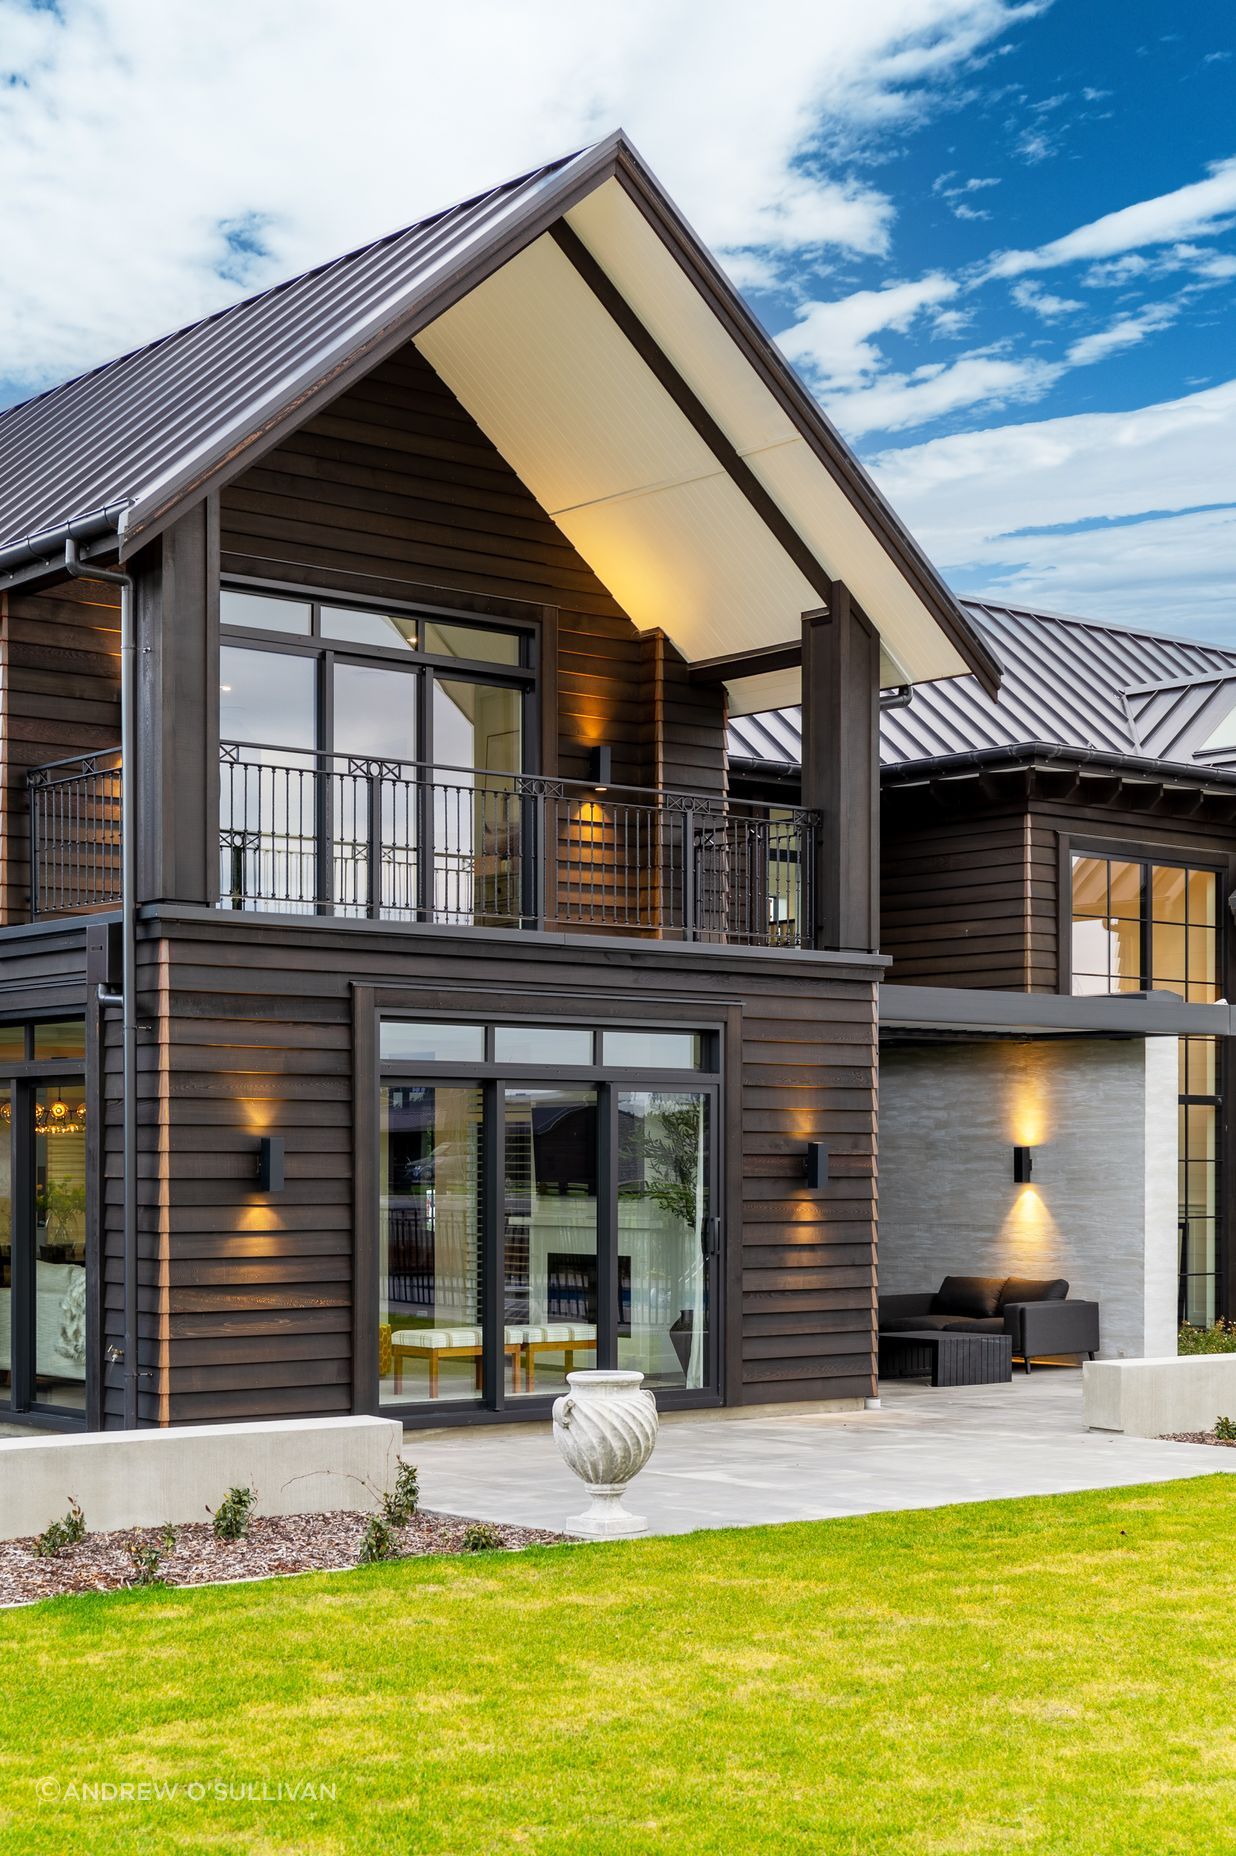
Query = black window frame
x=609 y=1081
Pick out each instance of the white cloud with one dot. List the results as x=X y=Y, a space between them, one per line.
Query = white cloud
x=1166 y=559
x=1032 y=296
x=1205 y=266
x=832 y=339
x=956 y=193
x=134 y=133
x=1190 y=211
x=897 y=401
x=1124 y=333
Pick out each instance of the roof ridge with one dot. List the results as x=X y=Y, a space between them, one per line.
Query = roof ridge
x=285 y=283
x=1095 y=625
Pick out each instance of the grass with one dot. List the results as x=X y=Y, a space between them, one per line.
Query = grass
x=1038 y=1676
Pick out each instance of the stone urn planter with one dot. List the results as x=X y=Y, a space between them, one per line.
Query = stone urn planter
x=605 y=1428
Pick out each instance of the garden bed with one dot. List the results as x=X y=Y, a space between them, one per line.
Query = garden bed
x=274 y=1544
x=1198 y=1437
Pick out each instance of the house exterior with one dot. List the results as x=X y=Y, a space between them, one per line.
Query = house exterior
x=1057 y=874
x=400 y=1002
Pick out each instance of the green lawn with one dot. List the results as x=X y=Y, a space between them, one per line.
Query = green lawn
x=1039 y=1676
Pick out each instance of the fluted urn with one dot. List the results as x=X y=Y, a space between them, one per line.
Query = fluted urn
x=606 y=1427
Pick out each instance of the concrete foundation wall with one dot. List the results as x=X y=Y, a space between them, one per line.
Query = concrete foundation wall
x=1101 y=1116
x=147 y=1478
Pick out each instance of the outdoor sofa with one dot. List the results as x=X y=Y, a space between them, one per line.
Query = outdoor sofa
x=1037 y=1315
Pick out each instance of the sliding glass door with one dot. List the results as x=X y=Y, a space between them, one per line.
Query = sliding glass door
x=594 y=1244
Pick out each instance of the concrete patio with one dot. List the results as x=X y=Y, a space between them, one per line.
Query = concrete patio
x=924 y=1448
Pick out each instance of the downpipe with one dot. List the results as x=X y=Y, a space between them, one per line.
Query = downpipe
x=77 y=569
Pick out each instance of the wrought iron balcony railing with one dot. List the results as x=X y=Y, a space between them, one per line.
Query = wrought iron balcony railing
x=348 y=836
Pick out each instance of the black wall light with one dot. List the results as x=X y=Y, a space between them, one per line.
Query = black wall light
x=815 y=1166
x=600 y=766
x=270 y=1163
x=1023 y=1165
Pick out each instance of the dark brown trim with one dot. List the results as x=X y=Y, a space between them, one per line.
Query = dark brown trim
x=364 y=1198
x=730 y=1177
x=662 y=368
x=740 y=664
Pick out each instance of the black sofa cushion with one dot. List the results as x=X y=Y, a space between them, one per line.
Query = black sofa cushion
x=1033 y=1289
x=939 y=1324
x=975 y=1296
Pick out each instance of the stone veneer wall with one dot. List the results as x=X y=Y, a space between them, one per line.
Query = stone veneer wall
x=1102 y=1117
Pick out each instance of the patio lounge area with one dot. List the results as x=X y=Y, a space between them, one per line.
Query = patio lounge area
x=923 y=1448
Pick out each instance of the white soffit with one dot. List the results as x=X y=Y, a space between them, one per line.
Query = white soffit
x=554 y=383
x=772 y=689
x=551 y=379
x=611 y=225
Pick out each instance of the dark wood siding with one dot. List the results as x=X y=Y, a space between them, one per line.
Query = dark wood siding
x=59 y=695
x=247 y=1303
x=967 y=898
x=396 y=492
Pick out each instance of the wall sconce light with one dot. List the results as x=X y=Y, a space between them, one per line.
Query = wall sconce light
x=270 y=1163
x=600 y=766
x=815 y=1166
x=1023 y=1165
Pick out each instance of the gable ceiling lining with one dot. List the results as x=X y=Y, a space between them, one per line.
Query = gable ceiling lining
x=553 y=381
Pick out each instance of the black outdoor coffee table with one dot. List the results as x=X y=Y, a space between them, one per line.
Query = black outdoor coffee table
x=951 y=1359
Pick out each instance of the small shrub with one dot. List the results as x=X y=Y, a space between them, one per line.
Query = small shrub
x=61 y=1534
x=1225 y=1430
x=480 y=1537
x=167 y=1539
x=1221 y=1338
x=146 y=1561
x=401 y=1504
x=377 y=1542
x=231 y=1517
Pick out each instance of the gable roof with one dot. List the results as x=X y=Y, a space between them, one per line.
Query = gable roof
x=705 y=487
x=1070 y=682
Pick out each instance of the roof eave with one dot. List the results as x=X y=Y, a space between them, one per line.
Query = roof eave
x=154 y=511
x=762 y=352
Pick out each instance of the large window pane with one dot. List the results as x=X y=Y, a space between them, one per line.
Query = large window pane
x=258 y=612
x=663 y=1216
x=478 y=815
x=60 y=1244
x=473 y=641
x=373 y=791
x=429 y=1245
x=652 y=1050
x=268 y=793
x=549 y=1237
x=357 y=626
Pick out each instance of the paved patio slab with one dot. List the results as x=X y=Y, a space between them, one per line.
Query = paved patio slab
x=925 y=1448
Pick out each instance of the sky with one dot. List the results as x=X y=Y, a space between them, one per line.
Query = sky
x=997 y=237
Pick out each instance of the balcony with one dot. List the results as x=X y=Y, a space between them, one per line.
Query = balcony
x=395 y=841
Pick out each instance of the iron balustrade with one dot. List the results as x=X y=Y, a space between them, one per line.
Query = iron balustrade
x=74 y=835
x=350 y=836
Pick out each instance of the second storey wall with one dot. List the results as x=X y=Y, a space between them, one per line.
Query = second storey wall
x=395 y=492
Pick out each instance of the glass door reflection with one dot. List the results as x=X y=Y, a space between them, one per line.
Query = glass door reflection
x=549 y=1236
x=430 y=1342
x=374 y=792
x=59 y=1275
x=477 y=809
x=664 y=1232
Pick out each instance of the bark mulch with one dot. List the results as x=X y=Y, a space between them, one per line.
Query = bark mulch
x=274 y=1544
x=1198 y=1437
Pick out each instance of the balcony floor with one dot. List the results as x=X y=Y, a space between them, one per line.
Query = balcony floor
x=925 y=1448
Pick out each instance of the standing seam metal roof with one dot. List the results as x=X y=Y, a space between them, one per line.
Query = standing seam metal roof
x=1077 y=682
x=115 y=434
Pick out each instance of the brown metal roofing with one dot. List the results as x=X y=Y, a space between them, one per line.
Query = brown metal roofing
x=1074 y=682
x=137 y=428
x=131 y=443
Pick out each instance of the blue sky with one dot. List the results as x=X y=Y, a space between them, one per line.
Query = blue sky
x=998 y=237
